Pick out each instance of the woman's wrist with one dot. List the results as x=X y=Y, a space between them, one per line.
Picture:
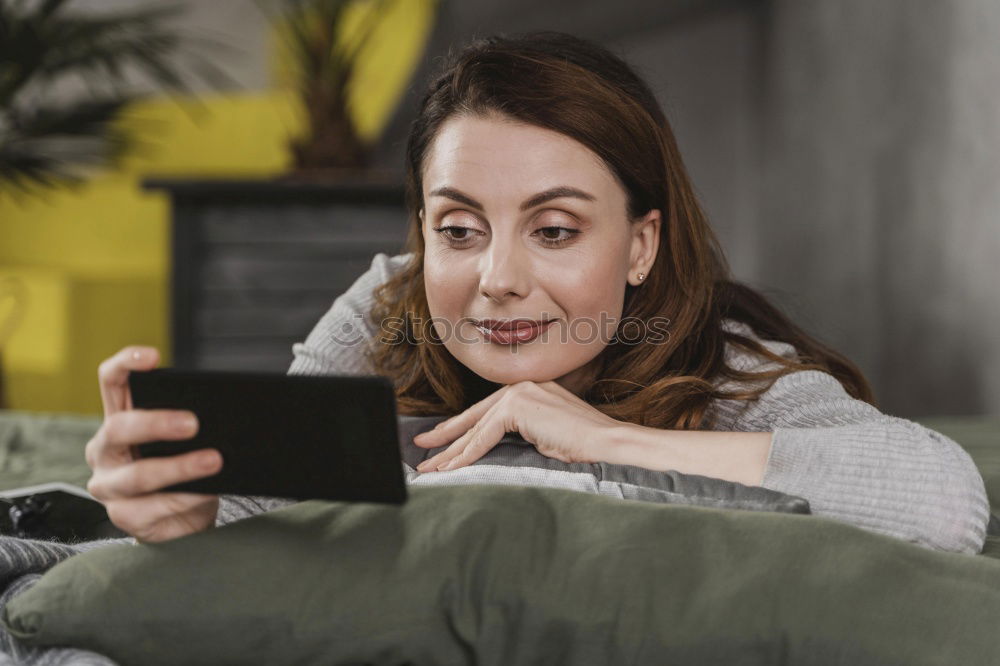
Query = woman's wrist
x=732 y=456
x=642 y=446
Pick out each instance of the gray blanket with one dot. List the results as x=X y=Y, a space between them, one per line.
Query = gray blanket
x=22 y=562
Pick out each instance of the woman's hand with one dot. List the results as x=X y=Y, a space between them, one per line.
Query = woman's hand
x=127 y=486
x=557 y=422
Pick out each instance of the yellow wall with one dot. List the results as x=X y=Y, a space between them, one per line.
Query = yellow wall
x=94 y=261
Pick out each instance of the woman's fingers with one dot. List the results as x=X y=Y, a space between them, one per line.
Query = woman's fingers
x=162 y=516
x=148 y=475
x=127 y=486
x=450 y=429
x=471 y=446
x=113 y=373
x=112 y=445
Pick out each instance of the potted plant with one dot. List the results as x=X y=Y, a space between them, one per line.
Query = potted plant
x=47 y=140
x=322 y=66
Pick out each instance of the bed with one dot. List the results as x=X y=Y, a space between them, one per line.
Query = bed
x=501 y=575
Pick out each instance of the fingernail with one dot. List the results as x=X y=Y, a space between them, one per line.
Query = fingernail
x=136 y=355
x=209 y=460
x=185 y=422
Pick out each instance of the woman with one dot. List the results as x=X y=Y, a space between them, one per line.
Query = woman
x=562 y=282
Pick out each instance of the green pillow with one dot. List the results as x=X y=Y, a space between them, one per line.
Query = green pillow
x=513 y=575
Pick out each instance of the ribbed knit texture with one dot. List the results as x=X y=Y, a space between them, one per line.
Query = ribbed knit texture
x=22 y=563
x=852 y=462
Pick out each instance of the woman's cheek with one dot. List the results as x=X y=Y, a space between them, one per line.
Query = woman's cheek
x=594 y=313
x=444 y=304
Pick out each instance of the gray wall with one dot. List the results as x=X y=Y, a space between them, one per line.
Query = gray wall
x=881 y=158
x=881 y=168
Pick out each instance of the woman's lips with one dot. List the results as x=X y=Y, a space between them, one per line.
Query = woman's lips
x=523 y=332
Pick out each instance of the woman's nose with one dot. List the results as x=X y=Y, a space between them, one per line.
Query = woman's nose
x=503 y=271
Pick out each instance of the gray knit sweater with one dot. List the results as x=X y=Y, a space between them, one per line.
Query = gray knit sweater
x=852 y=462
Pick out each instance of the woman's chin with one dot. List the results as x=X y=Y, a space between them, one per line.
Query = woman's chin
x=511 y=375
x=523 y=363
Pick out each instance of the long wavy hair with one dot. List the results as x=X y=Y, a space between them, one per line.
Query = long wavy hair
x=581 y=90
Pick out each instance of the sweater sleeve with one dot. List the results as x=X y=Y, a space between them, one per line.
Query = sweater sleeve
x=336 y=346
x=856 y=464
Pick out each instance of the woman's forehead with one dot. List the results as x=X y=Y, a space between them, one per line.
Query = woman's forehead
x=492 y=155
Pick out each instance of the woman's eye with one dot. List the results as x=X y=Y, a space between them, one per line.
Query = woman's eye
x=456 y=233
x=555 y=235
x=550 y=236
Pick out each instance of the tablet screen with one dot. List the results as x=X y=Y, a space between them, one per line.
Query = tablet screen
x=328 y=437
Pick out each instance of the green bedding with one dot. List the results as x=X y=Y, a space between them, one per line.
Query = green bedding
x=506 y=575
x=502 y=575
x=38 y=447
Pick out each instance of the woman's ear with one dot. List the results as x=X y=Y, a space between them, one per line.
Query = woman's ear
x=645 y=243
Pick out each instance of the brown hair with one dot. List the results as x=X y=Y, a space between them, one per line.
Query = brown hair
x=579 y=89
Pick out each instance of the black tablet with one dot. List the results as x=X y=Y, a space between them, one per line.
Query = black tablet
x=55 y=511
x=303 y=437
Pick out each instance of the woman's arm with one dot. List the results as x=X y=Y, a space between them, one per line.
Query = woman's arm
x=730 y=456
x=335 y=346
x=853 y=463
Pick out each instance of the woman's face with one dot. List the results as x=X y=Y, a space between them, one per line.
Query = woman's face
x=523 y=223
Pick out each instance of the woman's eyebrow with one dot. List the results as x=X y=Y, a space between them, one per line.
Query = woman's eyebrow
x=537 y=200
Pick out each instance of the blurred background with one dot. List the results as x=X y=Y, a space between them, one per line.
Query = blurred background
x=846 y=151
